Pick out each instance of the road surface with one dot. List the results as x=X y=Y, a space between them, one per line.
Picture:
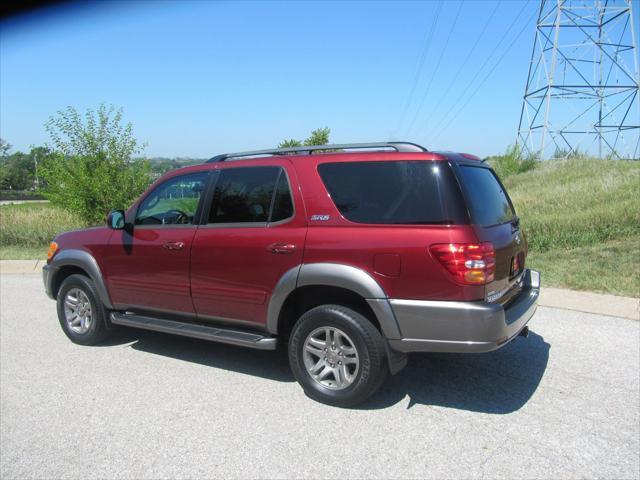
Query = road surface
x=562 y=403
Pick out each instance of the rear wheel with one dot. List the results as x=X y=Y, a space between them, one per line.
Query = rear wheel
x=80 y=311
x=337 y=355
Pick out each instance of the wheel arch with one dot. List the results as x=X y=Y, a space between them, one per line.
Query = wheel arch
x=69 y=262
x=331 y=280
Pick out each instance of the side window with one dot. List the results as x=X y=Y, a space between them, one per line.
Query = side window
x=246 y=195
x=282 y=202
x=488 y=202
x=173 y=202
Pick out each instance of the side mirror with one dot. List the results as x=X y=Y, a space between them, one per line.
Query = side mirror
x=115 y=220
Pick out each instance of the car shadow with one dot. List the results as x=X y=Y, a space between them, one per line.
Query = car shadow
x=272 y=365
x=498 y=382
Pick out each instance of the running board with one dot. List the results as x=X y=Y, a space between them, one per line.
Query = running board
x=203 y=332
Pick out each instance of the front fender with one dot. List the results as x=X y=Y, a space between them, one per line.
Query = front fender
x=83 y=260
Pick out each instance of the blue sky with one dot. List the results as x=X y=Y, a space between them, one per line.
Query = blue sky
x=199 y=78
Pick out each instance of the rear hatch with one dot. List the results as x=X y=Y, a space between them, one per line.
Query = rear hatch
x=494 y=220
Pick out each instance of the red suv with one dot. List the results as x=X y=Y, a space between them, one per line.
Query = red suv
x=353 y=254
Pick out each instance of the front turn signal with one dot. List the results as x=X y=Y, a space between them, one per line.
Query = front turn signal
x=53 y=248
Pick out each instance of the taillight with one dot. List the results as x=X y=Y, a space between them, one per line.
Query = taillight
x=469 y=263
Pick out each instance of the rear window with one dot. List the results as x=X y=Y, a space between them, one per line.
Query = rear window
x=398 y=192
x=488 y=202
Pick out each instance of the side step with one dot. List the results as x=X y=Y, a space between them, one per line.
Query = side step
x=203 y=332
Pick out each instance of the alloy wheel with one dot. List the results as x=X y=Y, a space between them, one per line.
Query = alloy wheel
x=331 y=358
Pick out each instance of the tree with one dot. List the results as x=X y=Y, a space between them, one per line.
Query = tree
x=4 y=172
x=4 y=149
x=290 y=143
x=92 y=170
x=320 y=136
x=18 y=170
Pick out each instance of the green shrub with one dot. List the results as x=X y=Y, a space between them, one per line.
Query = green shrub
x=512 y=162
x=92 y=171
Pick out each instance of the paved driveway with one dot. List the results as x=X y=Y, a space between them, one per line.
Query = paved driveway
x=562 y=403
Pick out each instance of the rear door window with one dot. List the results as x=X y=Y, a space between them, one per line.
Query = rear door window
x=397 y=192
x=282 y=201
x=488 y=201
x=250 y=195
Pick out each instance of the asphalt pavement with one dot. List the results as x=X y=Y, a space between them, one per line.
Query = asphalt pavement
x=564 y=403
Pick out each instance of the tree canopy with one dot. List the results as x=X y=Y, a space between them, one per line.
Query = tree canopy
x=320 y=136
x=92 y=169
x=18 y=169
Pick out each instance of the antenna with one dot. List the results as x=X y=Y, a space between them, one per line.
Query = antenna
x=582 y=93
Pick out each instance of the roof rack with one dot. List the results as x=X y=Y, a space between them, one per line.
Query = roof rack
x=397 y=146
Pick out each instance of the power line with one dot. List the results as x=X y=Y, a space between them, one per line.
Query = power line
x=444 y=129
x=487 y=60
x=435 y=70
x=423 y=57
x=465 y=61
x=484 y=64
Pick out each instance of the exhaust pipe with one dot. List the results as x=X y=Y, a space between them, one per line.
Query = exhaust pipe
x=524 y=332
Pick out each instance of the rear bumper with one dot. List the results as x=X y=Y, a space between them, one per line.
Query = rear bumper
x=434 y=326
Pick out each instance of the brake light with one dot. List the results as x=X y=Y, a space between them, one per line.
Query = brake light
x=469 y=263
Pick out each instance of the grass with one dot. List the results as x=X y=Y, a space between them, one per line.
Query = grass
x=610 y=267
x=582 y=221
x=14 y=252
x=27 y=229
x=574 y=203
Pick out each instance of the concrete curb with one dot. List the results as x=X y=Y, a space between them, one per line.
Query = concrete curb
x=589 y=302
x=21 y=266
x=598 y=303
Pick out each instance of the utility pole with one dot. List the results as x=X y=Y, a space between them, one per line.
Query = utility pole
x=582 y=92
x=35 y=160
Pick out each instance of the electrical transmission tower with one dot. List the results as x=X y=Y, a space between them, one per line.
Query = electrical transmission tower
x=582 y=90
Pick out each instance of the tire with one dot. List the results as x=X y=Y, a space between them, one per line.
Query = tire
x=327 y=379
x=87 y=306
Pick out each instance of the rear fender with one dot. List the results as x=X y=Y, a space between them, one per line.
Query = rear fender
x=334 y=275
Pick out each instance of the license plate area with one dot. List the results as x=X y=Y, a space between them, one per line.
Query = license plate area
x=517 y=265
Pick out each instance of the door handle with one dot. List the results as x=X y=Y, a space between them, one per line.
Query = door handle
x=281 y=248
x=173 y=245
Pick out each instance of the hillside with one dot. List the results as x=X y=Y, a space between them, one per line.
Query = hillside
x=582 y=220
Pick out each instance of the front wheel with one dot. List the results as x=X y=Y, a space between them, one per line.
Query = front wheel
x=337 y=355
x=80 y=311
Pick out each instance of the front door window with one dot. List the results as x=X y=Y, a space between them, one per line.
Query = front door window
x=174 y=202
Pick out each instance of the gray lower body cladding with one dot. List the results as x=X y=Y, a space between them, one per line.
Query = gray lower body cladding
x=47 y=277
x=472 y=327
x=408 y=325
